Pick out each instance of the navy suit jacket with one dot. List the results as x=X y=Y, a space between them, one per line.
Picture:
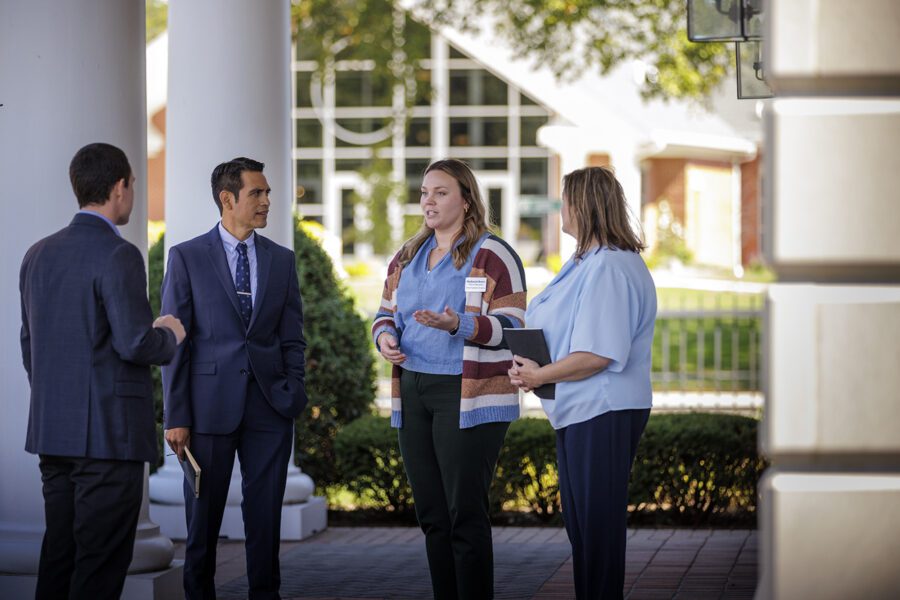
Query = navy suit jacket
x=87 y=340
x=206 y=383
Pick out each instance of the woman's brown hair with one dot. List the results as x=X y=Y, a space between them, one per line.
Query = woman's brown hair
x=599 y=211
x=474 y=224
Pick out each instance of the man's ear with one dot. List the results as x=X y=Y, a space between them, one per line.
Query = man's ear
x=226 y=198
x=118 y=190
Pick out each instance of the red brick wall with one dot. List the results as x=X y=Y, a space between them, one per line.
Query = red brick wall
x=598 y=160
x=751 y=202
x=665 y=180
x=156 y=175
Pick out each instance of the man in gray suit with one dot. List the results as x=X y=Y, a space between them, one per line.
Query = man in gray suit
x=88 y=338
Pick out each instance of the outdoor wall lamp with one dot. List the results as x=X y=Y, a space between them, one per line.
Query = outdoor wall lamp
x=751 y=82
x=738 y=21
x=724 y=20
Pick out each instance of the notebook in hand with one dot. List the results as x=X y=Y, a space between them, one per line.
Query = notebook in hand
x=191 y=471
x=530 y=343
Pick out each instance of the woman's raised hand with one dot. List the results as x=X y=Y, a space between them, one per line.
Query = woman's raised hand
x=447 y=320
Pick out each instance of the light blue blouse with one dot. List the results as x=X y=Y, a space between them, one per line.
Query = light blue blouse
x=430 y=350
x=606 y=305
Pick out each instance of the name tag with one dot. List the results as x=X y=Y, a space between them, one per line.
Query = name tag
x=476 y=284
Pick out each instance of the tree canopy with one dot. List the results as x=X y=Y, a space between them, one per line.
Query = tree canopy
x=567 y=36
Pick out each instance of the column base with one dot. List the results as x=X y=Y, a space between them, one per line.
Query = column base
x=298 y=521
x=166 y=584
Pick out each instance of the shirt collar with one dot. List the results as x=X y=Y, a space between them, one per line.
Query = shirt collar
x=231 y=241
x=99 y=216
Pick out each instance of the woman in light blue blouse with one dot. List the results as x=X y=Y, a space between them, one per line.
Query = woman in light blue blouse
x=597 y=316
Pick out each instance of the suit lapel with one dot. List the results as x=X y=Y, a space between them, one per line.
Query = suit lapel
x=263 y=265
x=220 y=266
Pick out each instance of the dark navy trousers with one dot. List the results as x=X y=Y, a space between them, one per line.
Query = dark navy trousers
x=263 y=444
x=92 y=508
x=595 y=459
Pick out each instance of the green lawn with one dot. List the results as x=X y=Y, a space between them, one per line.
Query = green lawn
x=685 y=367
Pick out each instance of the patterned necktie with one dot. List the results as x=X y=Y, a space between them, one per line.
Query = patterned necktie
x=242 y=284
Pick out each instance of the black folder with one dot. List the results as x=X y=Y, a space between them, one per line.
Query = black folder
x=530 y=343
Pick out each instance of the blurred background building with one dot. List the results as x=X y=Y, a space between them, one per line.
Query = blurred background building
x=691 y=169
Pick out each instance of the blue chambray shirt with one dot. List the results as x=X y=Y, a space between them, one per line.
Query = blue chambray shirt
x=229 y=242
x=606 y=305
x=99 y=216
x=430 y=350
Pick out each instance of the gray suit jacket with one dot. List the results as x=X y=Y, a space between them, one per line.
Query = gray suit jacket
x=87 y=340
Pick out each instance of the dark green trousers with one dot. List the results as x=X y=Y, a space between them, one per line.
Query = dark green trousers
x=450 y=471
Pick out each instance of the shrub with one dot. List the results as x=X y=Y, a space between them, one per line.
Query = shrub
x=370 y=465
x=340 y=374
x=526 y=475
x=690 y=468
x=368 y=460
x=698 y=465
x=155 y=277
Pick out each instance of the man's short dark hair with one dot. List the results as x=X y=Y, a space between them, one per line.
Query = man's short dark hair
x=227 y=176
x=94 y=170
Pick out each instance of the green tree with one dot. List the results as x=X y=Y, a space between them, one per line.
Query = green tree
x=375 y=30
x=572 y=36
x=568 y=36
x=157 y=18
x=381 y=187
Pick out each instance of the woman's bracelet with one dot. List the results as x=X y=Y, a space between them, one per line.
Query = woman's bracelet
x=456 y=329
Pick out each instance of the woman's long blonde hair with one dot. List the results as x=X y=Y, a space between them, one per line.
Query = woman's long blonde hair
x=474 y=224
x=597 y=205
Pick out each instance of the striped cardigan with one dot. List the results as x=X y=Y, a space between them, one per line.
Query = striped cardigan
x=487 y=395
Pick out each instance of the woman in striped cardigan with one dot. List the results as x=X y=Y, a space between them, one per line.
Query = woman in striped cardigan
x=450 y=291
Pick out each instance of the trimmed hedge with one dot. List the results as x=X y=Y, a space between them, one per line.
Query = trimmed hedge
x=340 y=366
x=691 y=468
x=698 y=465
x=526 y=475
x=369 y=463
x=155 y=277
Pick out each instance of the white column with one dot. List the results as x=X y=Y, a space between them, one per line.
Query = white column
x=737 y=264
x=830 y=509
x=514 y=166
x=331 y=194
x=73 y=74
x=229 y=95
x=567 y=142
x=628 y=172
x=440 y=97
x=398 y=167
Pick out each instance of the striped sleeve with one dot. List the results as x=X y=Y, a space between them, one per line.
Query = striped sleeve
x=384 y=317
x=506 y=293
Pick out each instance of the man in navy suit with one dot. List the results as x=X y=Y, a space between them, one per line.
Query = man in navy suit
x=88 y=336
x=238 y=383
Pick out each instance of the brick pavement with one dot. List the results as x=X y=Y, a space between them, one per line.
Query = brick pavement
x=681 y=564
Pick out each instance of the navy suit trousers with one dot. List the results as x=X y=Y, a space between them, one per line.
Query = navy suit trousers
x=595 y=459
x=263 y=444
